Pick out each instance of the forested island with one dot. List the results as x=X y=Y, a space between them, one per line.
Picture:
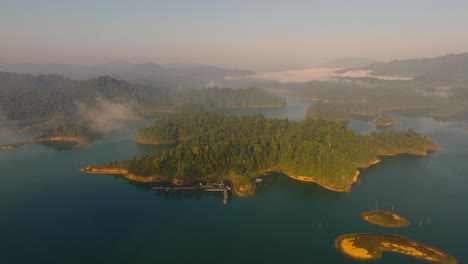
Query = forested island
x=384 y=121
x=79 y=136
x=239 y=148
x=385 y=219
x=364 y=246
x=347 y=111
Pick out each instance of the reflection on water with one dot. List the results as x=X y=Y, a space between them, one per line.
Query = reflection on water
x=47 y=203
x=59 y=146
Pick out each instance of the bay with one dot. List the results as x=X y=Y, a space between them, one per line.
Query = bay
x=52 y=213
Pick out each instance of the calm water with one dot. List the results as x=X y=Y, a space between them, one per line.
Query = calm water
x=51 y=213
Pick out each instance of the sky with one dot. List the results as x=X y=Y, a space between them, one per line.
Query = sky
x=243 y=34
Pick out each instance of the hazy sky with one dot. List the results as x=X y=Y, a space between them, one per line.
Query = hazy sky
x=229 y=33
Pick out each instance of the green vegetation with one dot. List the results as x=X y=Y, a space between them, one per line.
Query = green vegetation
x=345 y=99
x=338 y=111
x=452 y=66
x=385 y=219
x=217 y=98
x=239 y=148
x=179 y=125
x=371 y=246
x=27 y=97
x=67 y=131
x=69 y=134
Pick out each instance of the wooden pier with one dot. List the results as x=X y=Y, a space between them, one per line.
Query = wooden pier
x=207 y=187
x=225 y=196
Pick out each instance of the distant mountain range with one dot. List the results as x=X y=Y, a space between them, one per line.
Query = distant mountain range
x=25 y=97
x=348 y=63
x=452 y=66
x=191 y=76
x=280 y=68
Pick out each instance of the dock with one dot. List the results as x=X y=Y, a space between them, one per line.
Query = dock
x=225 y=196
x=218 y=186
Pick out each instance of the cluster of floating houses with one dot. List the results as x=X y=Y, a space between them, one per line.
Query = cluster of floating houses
x=218 y=186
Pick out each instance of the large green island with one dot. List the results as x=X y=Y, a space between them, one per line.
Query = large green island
x=238 y=149
x=364 y=246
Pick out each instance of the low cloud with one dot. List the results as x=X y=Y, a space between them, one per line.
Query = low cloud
x=444 y=91
x=105 y=116
x=317 y=74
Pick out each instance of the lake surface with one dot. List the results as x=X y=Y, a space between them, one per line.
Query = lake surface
x=51 y=213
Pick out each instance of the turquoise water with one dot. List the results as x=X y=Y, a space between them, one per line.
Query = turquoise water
x=51 y=213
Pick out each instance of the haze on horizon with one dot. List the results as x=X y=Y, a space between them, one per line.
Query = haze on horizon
x=244 y=34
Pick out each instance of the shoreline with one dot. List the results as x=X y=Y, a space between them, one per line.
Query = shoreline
x=385 y=124
x=47 y=122
x=348 y=187
x=239 y=189
x=244 y=188
x=366 y=246
x=169 y=110
x=79 y=142
x=426 y=152
x=385 y=219
x=327 y=186
x=365 y=114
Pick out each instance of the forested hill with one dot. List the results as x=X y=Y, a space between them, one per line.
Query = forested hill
x=68 y=131
x=344 y=99
x=179 y=126
x=26 y=97
x=452 y=66
x=239 y=148
x=80 y=135
x=219 y=98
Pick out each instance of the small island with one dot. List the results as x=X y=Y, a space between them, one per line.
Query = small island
x=364 y=246
x=385 y=219
x=384 y=121
x=79 y=136
x=237 y=149
x=347 y=111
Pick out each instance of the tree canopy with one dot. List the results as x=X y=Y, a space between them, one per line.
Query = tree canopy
x=219 y=146
x=26 y=97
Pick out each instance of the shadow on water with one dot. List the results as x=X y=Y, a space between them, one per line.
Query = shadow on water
x=174 y=194
x=59 y=146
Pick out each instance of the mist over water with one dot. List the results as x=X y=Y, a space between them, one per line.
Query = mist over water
x=7 y=130
x=105 y=116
